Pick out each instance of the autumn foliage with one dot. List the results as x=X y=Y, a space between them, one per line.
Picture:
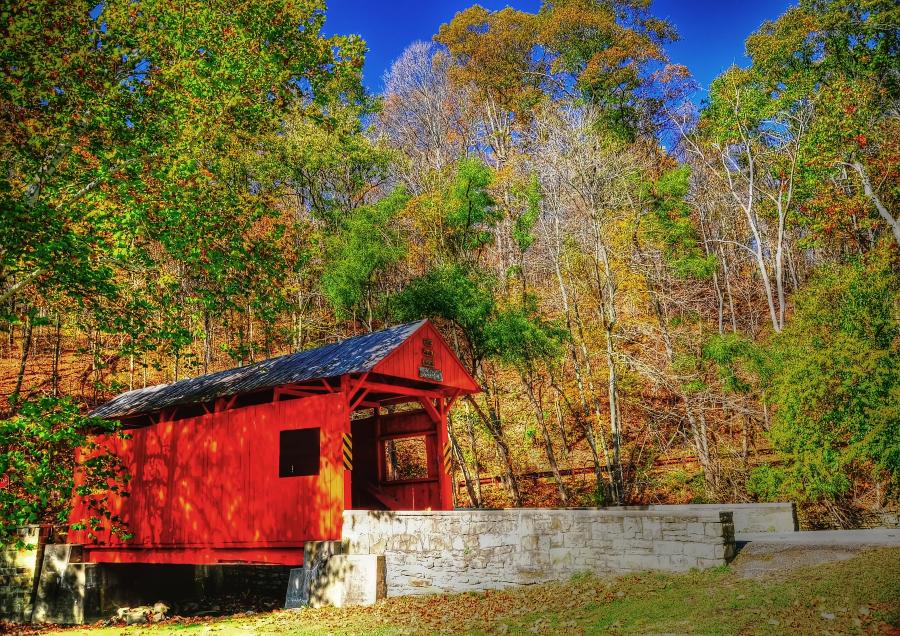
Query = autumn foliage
x=661 y=302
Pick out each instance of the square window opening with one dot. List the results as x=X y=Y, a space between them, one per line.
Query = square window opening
x=298 y=452
x=405 y=458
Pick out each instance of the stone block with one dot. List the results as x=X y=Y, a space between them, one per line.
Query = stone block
x=668 y=547
x=68 y=593
x=574 y=540
x=652 y=529
x=490 y=540
x=560 y=557
x=705 y=550
x=350 y=580
x=631 y=527
x=682 y=563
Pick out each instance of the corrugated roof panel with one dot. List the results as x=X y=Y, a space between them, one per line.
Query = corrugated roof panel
x=354 y=355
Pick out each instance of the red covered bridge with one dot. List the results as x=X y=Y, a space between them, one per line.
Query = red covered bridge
x=246 y=465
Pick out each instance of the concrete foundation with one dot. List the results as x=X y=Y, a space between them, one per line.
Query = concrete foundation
x=331 y=577
x=311 y=576
x=350 y=580
x=72 y=593
x=68 y=591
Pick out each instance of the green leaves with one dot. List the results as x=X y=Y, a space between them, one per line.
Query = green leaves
x=38 y=455
x=670 y=225
x=520 y=336
x=457 y=294
x=367 y=244
x=737 y=359
x=529 y=194
x=835 y=379
x=470 y=211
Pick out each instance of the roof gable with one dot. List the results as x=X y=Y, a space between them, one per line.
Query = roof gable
x=426 y=357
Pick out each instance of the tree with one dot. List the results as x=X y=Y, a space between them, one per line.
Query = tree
x=834 y=383
x=589 y=173
x=139 y=199
x=521 y=337
x=424 y=115
x=368 y=243
x=754 y=145
x=843 y=58
x=609 y=54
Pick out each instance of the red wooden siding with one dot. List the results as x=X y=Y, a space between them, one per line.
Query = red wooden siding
x=206 y=488
x=407 y=359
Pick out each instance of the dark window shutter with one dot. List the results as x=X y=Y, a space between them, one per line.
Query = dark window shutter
x=299 y=452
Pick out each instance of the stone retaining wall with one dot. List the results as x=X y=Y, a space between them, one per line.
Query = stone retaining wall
x=469 y=550
x=749 y=517
x=18 y=568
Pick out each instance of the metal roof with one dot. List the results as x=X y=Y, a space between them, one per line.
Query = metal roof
x=354 y=355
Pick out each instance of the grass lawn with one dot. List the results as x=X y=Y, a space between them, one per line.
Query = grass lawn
x=860 y=595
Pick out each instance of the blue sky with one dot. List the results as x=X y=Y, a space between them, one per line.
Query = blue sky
x=712 y=33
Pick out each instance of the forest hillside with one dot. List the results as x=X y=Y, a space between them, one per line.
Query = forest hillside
x=662 y=302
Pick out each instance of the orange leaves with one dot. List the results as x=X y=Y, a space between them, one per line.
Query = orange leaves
x=517 y=58
x=494 y=49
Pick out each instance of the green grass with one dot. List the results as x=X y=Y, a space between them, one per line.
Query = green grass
x=861 y=595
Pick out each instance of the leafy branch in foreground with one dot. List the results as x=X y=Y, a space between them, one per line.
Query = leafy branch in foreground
x=50 y=460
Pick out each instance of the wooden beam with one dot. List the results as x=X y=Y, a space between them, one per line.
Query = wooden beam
x=394 y=389
x=357 y=400
x=225 y=403
x=386 y=500
x=297 y=391
x=452 y=400
x=429 y=408
x=359 y=384
x=306 y=388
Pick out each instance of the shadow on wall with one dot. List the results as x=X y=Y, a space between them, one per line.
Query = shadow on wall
x=18 y=572
x=212 y=483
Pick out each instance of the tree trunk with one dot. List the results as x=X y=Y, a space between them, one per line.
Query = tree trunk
x=470 y=428
x=595 y=401
x=697 y=426
x=869 y=191
x=470 y=488
x=23 y=361
x=57 y=350
x=700 y=437
x=607 y=288
x=579 y=380
x=548 y=441
x=494 y=427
